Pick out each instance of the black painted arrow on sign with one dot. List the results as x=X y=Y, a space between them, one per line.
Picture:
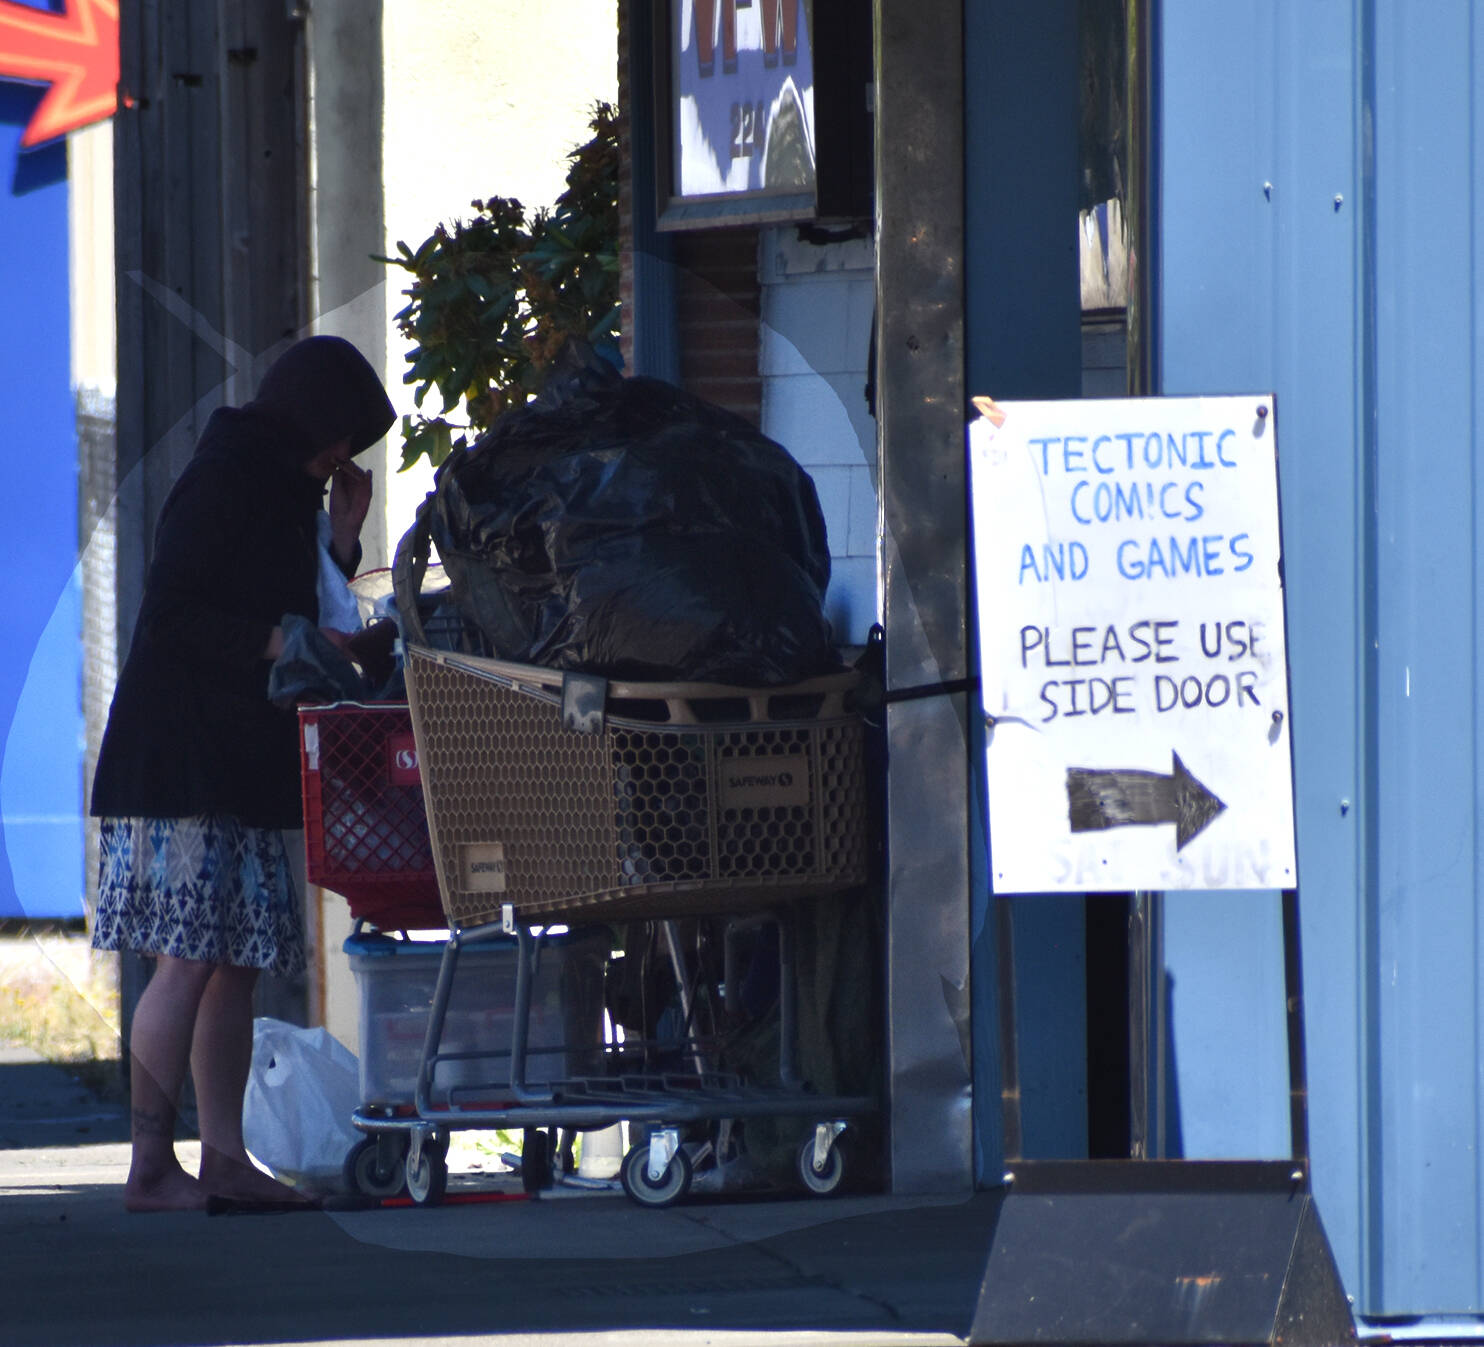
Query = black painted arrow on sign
x=1120 y=797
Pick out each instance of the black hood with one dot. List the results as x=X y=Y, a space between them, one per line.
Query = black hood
x=321 y=390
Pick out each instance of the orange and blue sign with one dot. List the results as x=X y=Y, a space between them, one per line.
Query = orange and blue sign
x=58 y=71
x=73 y=51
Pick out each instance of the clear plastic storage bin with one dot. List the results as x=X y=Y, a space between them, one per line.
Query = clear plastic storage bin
x=397 y=978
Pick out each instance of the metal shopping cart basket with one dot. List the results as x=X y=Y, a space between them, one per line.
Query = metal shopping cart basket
x=556 y=797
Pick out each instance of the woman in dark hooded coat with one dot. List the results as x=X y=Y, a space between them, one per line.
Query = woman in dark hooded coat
x=199 y=771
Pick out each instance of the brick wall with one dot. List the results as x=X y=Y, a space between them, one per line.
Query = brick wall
x=717 y=298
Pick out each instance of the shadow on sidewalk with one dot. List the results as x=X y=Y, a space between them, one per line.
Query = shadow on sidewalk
x=888 y=1271
x=45 y=1103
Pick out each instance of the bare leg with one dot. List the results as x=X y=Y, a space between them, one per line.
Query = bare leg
x=221 y=1057
x=159 y=1048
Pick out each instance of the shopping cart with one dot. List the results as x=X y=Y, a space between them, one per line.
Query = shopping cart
x=366 y=839
x=561 y=799
x=365 y=826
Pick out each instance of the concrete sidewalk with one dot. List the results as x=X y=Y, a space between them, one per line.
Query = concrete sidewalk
x=573 y=1267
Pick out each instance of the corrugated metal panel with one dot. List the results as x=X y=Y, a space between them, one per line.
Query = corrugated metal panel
x=1242 y=201
x=1427 y=602
x=1320 y=235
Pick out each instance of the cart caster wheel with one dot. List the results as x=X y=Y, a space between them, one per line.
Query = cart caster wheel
x=667 y=1190
x=374 y=1166
x=821 y=1182
x=428 y=1179
x=535 y=1160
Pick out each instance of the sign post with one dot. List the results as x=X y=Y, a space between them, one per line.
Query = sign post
x=1133 y=665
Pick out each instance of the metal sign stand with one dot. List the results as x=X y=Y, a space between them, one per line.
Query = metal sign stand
x=1155 y=1251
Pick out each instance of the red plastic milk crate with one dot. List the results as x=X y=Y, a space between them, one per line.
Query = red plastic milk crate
x=365 y=827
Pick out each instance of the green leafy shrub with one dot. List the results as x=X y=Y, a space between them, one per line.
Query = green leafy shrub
x=494 y=298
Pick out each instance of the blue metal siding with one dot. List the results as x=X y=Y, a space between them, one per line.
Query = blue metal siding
x=1321 y=233
x=1227 y=1031
x=1427 y=655
x=1246 y=224
x=1023 y=339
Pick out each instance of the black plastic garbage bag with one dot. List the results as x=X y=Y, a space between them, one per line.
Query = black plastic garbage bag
x=310 y=669
x=627 y=528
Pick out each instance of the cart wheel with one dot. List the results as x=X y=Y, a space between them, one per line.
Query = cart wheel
x=427 y=1180
x=374 y=1166
x=671 y=1186
x=535 y=1160
x=820 y=1182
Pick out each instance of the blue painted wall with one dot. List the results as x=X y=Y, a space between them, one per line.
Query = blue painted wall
x=1023 y=339
x=40 y=675
x=1321 y=234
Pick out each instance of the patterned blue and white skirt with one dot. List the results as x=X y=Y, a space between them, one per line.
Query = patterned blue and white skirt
x=207 y=888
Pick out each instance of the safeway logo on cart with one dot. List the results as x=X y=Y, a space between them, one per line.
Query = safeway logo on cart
x=765 y=783
x=401 y=761
x=482 y=867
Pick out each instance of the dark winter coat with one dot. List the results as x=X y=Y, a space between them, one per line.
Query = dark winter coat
x=191 y=730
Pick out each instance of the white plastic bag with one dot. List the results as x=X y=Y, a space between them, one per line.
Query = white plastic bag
x=337 y=602
x=303 y=1087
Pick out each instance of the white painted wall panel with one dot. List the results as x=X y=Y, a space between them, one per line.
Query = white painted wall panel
x=865 y=517
x=817 y=306
x=851 y=604
x=833 y=485
x=821 y=418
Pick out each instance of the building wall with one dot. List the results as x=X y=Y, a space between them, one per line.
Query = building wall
x=1319 y=237
x=717 y=305
x=211 y=269
x=1023 y=339
x=94 y=384
x=818 y=304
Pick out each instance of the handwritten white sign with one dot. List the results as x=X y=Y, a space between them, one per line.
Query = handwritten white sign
x=1128 y=565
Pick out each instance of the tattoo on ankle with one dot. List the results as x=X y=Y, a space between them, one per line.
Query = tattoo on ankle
x=150 y=1123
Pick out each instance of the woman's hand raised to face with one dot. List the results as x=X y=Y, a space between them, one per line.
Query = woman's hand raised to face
x=350 y=501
